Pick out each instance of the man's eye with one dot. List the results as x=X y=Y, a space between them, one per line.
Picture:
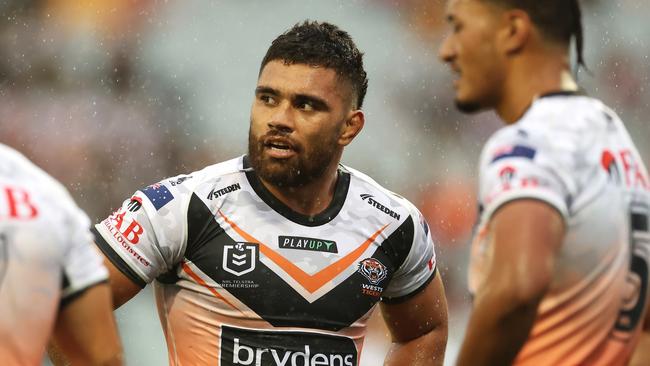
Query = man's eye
x=267 y=99
x=306 y=106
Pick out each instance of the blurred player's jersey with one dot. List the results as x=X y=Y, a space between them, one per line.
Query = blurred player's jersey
x=243 y=280
x=46 y=257
x=574 y=154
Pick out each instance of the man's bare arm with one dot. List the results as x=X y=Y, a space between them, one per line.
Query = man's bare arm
x=418 y=327
x=123 y=288
x=119 y=290
x=85 y=332
x=525 y=237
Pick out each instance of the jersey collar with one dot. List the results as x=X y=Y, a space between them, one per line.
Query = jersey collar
x=340 y=193
x=562 y=93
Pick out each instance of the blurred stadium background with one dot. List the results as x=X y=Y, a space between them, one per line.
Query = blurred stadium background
x=112 y=95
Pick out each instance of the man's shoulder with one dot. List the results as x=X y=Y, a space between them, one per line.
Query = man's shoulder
x=559 y=126
x=570 y=116
x=209 y=174
x=370 y=190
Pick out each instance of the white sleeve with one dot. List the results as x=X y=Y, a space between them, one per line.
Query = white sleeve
x=419 y=266
x=82 y=265
x=518 y=164
x=146 y=236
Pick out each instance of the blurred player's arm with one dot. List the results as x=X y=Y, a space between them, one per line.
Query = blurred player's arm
x=525 y=236
x=641 y=355
x=85 y=332
x=122 y=287
x=418 y=327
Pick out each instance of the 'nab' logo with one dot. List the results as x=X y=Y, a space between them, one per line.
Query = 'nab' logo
x=240 y=258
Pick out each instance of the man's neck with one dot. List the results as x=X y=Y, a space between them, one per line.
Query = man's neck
x=530 y=79
x=309 y=199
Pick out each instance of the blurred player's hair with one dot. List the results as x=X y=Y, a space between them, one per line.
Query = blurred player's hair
x=321 y=44
x=558 y=20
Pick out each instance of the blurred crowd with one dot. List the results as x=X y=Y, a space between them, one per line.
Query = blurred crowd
x=109 y=96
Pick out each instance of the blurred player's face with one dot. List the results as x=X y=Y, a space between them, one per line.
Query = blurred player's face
x=297 y=119
x=471 y=51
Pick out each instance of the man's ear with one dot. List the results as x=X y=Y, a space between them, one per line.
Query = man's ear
x=516 y=31
x=352 y=126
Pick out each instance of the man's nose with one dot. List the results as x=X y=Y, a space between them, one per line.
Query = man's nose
x=446 y=51
x=283 y=118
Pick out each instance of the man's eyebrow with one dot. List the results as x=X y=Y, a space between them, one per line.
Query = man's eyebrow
x=266 y=90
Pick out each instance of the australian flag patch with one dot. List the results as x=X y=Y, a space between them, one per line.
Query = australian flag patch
x=158 y=194
x=516 y=151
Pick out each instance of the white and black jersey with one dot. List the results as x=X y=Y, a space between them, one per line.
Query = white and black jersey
x=241 y=279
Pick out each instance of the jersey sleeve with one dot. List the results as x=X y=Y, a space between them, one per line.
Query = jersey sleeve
x=82 y=265
x=519 y=164
x=419 y=266
x=145 y=237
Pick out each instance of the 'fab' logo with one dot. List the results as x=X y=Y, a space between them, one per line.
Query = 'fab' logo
x=131 y=231
x=240 y=258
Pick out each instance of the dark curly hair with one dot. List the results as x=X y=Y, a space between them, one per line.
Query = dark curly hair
x=321 y=44
x=558 y=20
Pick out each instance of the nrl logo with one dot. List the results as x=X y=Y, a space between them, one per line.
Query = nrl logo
x=373 y=270
x=240 y=258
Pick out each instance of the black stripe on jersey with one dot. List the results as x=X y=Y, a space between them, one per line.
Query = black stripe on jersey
x=115 y=258
x=340 y=194
x=201 y=229
x=398 y=245
x=400 y=299
x=277 y=302
x=65 y=281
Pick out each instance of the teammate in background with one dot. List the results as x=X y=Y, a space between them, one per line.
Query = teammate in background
x=279 y=257
x=51 y=278
x=559 y=266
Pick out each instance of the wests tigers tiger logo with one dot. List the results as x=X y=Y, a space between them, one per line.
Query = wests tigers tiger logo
x=373 y=270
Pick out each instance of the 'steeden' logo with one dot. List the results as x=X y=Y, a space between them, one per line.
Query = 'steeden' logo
x=240 y=258
x=373 y=270
x=371 y=201
x=304 y=243
x=275 y=348
x=221 y=191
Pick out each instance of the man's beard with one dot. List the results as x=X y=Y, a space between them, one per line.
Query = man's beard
x=468 y=107
x=308 y=165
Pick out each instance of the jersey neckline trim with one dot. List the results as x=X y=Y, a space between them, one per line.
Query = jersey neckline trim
x=562 y=93
x=327 y=215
